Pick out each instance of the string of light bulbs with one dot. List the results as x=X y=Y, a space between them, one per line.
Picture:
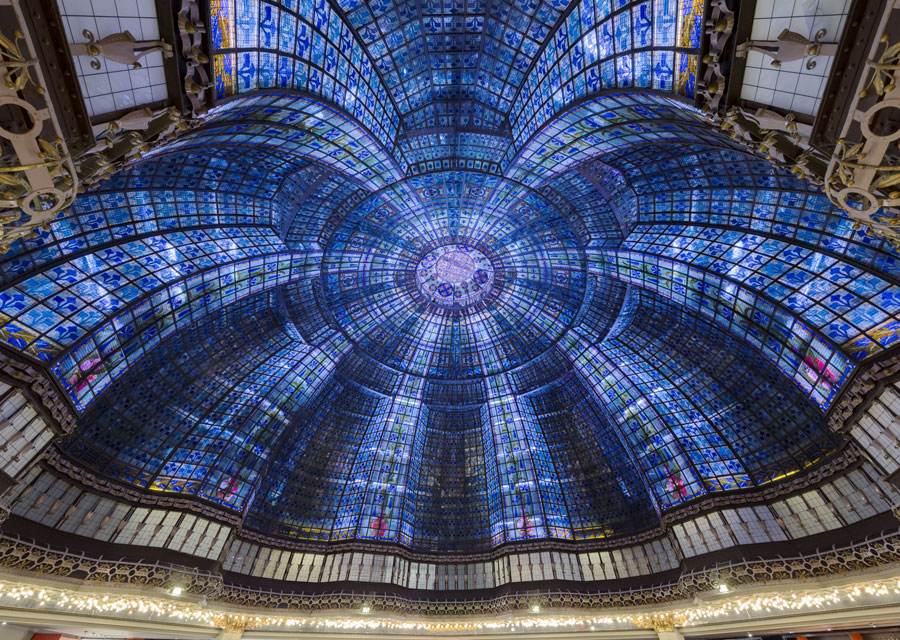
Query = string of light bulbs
x=26 y=595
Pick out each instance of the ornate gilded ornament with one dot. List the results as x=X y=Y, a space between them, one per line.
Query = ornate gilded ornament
x=38 y=179
x=858 y=179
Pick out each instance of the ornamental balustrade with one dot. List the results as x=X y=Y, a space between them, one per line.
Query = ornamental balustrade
x=45 y=162
x=38 y=178
x=25 y=557
x=859 y=170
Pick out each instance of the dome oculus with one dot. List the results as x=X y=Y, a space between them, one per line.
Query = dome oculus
x=455 y=275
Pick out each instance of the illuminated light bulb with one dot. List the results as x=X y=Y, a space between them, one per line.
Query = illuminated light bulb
x=366 y=608
x=535 y=608
x=176 y=591
x=723 y=588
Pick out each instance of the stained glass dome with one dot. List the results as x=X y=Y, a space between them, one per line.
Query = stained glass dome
x=444 y=276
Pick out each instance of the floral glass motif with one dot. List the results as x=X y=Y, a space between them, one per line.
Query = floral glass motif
x=606 y=45
x=303 y=46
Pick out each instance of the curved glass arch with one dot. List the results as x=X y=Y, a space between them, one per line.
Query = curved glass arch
x=534 y=256
x=432 y=51
x=802 y=354
x=214 y=427
x=204 y=188
x=308 y=200
x=607 y=496
x=609 y=45
x=688 y=449
x=601 y=125
x=121 y=340
x=58 y=305
x=302 y=45
x=434 y=149
x=295 y=126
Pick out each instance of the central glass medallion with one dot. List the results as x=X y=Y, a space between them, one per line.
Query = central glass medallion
x=455 y=275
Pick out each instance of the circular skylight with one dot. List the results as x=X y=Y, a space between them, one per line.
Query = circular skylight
x=455 y=275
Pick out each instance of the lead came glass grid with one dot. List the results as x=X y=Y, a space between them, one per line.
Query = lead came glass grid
x=247 y=316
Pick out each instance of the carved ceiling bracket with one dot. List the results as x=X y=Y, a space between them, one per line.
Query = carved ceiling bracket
x=194 y=47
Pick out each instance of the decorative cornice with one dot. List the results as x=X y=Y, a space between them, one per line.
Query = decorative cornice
x=863 y=390
x=39 y=382
x=27 y=558
x=846 y=458
x=57 y=463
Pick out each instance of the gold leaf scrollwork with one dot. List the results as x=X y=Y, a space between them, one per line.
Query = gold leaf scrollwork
x=16 y=75
x=882 y=80
x=38 y=178
x=815 y=48
x=92 y=50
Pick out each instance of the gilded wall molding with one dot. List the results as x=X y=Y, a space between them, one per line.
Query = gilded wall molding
x=197 y=82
